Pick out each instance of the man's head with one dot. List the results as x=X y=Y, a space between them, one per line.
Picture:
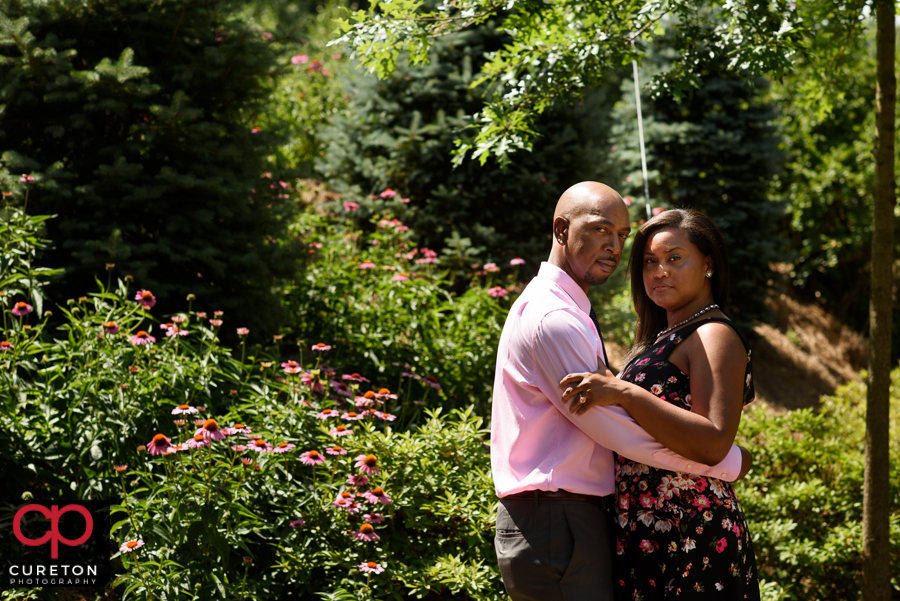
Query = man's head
x=590 y=226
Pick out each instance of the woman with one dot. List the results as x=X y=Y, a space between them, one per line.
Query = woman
x=687 y=379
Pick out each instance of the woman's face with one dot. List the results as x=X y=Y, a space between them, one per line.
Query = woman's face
x=674 y=270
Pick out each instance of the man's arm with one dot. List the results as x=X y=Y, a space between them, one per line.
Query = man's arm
x=563 y=344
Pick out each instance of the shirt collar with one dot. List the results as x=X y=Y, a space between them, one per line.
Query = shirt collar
x=565 y=281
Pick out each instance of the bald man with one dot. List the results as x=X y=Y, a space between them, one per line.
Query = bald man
x=555 y=475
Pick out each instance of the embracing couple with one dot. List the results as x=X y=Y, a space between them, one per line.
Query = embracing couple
x=616 y=487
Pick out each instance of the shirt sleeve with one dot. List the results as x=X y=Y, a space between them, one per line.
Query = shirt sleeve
x=563 y=344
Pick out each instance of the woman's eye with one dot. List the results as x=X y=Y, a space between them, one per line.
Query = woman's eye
x=675 y=257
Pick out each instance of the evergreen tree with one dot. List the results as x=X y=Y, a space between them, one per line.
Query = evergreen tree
x=399 y=133
x=135 y=118
x=716 y=152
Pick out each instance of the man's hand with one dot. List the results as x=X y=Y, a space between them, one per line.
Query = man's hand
x=589 y=389
x=746 y=462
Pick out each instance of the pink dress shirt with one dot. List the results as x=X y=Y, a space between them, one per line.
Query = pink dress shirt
x=535 y=442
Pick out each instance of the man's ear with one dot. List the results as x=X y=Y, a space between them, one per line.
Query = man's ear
x=561 y=230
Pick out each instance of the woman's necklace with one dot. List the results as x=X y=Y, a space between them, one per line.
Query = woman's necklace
x=694 y=316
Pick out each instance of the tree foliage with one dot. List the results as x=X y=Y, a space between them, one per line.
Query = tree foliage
x=135 y=120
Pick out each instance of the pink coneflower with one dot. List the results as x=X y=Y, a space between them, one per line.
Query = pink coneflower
x=218 y=313
x=120 y=468
x=326 y=369
x=26 y=179
x=400 y=277
x=367 y=464
x=351 y=206
x=491 y=267
x=354 y=377
x=344 y=498
x=211 y=430
x=341 y=388
x=215 y=322
x=336 y=450
x=517 y=261
x=312 y=458
x=184 y=409
x=388 y=193
x=431 y=381
x=357 y=480
x=297 y=523
x=362 y=402
x=365 y=532
x=367 y=265
x=178 y=422
x=341 y=431
x=384 y=393
x=176 y=331
x=385 y=416
x=371 y=566
x=6 y=345
x=22 y=308
x=200 y=314
x=243 y=331
x=351 y=416
x=199 y=422
x=198 y=441
x=247 y=461
x=261 y=446
x=237 y=429
x=300 y=59
x=291 y=367
x=313 y=382
x=178 y=318
x=145 y=298
x=159 y=444
x=131 y=545
x=327 y=413
x=375 y=518
x=377 y=495
x=142 y=338
x=283 y=447
x=238 y=448
x=498 y=292
x=321 y=346
x=110 y=327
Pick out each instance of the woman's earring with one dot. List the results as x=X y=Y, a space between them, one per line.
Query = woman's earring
x=708 y=273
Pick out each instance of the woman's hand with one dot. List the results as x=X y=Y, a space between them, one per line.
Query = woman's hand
x=587 y=390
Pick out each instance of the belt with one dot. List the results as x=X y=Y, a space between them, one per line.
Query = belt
x=556 y=495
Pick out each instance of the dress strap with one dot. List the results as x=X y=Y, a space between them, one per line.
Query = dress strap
x=690 y=329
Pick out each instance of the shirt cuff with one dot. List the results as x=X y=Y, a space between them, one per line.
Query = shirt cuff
x=728 y=470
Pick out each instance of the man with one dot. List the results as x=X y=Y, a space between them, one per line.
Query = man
x=554 y=472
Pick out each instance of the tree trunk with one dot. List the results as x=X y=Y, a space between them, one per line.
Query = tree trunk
x=876 y=487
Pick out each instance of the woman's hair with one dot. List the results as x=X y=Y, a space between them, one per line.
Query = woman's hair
x=703 y=233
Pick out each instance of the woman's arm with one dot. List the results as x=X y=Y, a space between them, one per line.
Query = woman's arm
x=717 y=364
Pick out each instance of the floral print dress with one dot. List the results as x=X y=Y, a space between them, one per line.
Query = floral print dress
x=678 y=536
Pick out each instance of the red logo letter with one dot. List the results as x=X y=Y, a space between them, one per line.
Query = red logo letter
x=53 y=535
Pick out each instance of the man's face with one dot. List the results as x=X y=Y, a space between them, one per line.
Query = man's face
x=594 y=241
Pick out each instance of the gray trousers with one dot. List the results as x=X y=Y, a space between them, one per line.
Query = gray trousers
x=554 y=550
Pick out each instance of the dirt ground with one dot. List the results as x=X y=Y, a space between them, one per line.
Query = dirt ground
x=801 y=355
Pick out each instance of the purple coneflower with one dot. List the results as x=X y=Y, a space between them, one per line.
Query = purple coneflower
x=384 y=393
x=22 y=308
x=120 y=468
x=184 y=409
x=375 y=518
x=237 y=429
x=210 y=430
x=400 y=277
x=261 y=446
x=174 y=330
x=371 y=566
x=388 y=417
x=131 y=545
x=431 y=381
x=215 y=322
x=110 y=327
x=243 y=331
x=238 y=448
x=218 y=313
x=145 y=298
x=491 y=267
x=313 y=382
x=142 y=338
x=321 y=346
x=365 y=532
x=283 y=447
x=341 y=388
x=326 y=413
x=367 y=265
x=297 y=523
x=341 y=431
x=517 y=261
x=357 y=480
x=178 y=318
x=159 y=444
x=201 y=314
x=198 y=441
x=388 y=193
x=377 y=495
x=6 y=346
x=312 y=458
x=367 y=464
x=291 y=367
x=351 y=206
x=336 y=450
x=498 y=292
x=352 y=416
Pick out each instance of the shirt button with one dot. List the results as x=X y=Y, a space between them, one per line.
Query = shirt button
x=724 y=474
x=689 y=466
